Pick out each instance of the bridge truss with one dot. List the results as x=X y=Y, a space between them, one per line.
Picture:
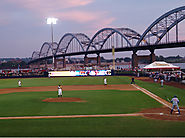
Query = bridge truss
x=162 y=30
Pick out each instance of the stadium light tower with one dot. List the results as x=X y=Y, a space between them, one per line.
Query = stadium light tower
x=113 y=54
x=52 y=21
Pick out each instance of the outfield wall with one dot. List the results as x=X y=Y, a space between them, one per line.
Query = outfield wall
x=79 y=73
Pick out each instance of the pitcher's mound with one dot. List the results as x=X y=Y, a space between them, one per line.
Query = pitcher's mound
x=63 y=99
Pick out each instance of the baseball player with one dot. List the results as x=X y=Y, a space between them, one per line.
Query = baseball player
x=19 y=83
x=175 y=102
x=162 y=82
x=105 y=81
x=59 y=91
x=133 y=81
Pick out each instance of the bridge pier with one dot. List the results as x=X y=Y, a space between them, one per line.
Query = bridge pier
x=46 y=64
x=54 y=63
x=134 y=59
x=97 y=59
x=152 y=56
x=64 y=62
x=85 y=60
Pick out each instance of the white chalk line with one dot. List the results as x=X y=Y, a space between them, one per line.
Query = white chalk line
x=79 y=116
x=152 y=95
x=155 y=97
x=105 y=115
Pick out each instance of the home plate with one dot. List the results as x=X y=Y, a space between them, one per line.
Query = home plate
x=161 y=113
x=176 y=112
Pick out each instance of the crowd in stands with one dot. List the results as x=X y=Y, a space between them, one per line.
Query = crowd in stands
x=21 y=73
x=167 y=76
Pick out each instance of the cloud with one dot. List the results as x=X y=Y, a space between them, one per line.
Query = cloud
x=75 y=3
x=67 y=10
x=50 y=5
x=81 y=16
x=92 y=21
x=57 y=8
x=105 y=22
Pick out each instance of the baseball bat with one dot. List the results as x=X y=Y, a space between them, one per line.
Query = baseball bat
x=167 y=99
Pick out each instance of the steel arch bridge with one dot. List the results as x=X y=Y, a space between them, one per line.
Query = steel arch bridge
x=81 y=43
x=71 y=43
x=35 y=55
x=162 y=26
x=47 y=49
x=127 y=37
x=156 y=36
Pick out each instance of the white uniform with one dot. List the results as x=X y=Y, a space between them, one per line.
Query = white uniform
x=162 y=82
x=105 y=81
x=175 y=102
x=19 y=83
x=59 y=91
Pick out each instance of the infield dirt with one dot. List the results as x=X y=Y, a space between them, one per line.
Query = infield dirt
x=63 y=99
x=154 y=113
x=165 y=114
x=127 y=87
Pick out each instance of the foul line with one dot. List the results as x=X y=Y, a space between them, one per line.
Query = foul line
x=157 y=98
x=78 y=116
x=167 y=104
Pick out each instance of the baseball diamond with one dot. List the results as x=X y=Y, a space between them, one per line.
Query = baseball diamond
x=85 y=73
x=118 y=100
x=154 y=113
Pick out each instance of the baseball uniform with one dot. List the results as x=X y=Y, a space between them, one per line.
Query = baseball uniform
x=175 y=102
x=59 y=91
x=105 y=81
x=162 y=83
x=19 y=83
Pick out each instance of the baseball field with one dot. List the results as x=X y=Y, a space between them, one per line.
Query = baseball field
x=88 y=108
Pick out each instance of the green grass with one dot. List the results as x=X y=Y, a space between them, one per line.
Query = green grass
x=32 y=82
x=166 y=91
x=113 y=126
x=98 y=102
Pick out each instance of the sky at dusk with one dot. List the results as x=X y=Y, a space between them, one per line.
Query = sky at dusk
x=23 y=22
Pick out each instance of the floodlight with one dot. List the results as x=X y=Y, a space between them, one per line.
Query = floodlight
x=52 y=20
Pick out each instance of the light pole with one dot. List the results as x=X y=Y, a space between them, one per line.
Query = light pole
x=52 y=21
x=113 y=54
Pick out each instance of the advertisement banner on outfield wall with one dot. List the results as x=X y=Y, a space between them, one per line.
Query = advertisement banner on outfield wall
x=80 y=73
